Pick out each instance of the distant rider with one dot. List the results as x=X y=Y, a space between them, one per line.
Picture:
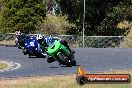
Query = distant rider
x=20 y=39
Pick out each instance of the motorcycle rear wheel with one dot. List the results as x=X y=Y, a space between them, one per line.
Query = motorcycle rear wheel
x=74 y=62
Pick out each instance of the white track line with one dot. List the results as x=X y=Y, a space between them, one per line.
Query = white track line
x=10 y=66
x=18 y=66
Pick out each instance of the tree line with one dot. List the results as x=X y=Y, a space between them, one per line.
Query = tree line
x=102 y=16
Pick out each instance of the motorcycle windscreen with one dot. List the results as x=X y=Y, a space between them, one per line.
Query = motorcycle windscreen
x=50 y=42
x=54 y=48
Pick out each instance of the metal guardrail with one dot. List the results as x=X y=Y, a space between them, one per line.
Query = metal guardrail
x=89 y=41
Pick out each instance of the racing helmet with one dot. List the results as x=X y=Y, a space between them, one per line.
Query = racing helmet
x=39 y=37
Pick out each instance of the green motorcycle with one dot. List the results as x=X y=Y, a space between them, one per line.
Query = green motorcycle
x=60 y=53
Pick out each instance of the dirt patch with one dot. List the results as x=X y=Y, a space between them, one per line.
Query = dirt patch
x=9 y=42
x=3 y=65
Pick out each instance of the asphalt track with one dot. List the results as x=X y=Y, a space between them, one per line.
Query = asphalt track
x=92 y=59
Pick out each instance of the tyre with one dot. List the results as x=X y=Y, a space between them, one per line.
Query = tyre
x=29 y=55
x=64 y=59
x=24 y=51
x=73 y=62
x=81 y=80
x=50 y=60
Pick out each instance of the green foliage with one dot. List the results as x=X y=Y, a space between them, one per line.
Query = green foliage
x=55 y=25
x=115 y=15
x=102 y=16
x=23 y=15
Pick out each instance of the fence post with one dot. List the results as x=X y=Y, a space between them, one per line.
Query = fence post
x=120 y=41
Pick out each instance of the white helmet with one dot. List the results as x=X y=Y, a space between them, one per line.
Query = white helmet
x=39 y=36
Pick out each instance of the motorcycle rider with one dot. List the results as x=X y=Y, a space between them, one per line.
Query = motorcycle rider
x=43 y=41
x=20 y=39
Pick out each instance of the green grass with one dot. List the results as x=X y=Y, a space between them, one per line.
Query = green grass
x=65 y=81
x=3 y=65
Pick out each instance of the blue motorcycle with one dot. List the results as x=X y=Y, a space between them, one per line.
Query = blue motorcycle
x=33 y=48
x=20 y=41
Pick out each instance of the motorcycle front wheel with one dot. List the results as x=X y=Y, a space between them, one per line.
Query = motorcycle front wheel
x=24 y=51
x=63 y=59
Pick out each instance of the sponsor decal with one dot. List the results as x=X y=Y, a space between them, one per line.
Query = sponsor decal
x=82 y=77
